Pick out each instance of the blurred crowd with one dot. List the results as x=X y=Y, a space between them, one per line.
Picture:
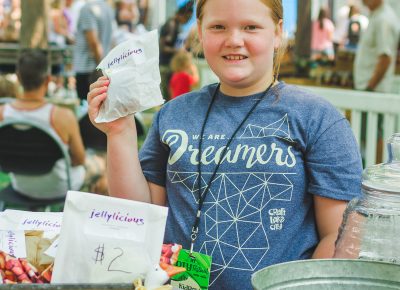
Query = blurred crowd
x=87 y=30
x=360 y=48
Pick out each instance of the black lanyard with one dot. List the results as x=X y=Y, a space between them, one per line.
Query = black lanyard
x=202 y=196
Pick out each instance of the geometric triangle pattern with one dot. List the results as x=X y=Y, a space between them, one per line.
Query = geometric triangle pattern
x=278 y=129
x=236 y=201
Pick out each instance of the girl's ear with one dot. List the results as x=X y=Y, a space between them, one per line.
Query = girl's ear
x=278 y=34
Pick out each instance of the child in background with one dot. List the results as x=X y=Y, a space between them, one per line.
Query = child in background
x=254 y=171
x=185 y=75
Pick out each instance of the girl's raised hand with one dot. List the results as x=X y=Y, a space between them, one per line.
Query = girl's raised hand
x=96 y=96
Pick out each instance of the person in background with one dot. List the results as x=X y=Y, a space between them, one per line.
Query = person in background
x=126 y=13
x=93 y=41
x=127 y=17
x=376 y=55
x=185 y=75
x=87 y=170
x=143 y=6
x=254 y=167
x=341 y=28
x=74 y=10
x=169 y=32
x=322 y=38
x=58 y=24
x=374 y=65
x=357 y=24
x=170 y=42
x=11 y=25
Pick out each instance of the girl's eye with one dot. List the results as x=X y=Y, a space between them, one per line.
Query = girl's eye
x=250 y=27
x=218 y=27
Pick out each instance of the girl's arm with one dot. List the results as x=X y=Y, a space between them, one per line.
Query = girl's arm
x=328 y=215
x=124 y=173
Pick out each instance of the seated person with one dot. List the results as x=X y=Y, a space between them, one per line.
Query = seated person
x=33 y=74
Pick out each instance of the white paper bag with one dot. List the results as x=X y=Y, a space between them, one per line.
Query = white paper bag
x=134 y=74
x=107 y=240
x=14 y=224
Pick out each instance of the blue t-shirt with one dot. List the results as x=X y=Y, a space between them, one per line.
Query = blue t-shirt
x=259 y=209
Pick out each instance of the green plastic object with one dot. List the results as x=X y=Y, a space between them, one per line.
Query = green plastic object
x=336 y=274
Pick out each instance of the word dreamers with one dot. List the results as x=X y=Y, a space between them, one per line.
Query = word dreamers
x=123 y=56
x=263 y=154
x=116 y=217
x=39 y=223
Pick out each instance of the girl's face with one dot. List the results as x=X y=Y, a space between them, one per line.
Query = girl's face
x=238 y=39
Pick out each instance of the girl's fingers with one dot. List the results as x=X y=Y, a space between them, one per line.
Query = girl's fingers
x=102 y=81
x=94 y=105
x=95 y=91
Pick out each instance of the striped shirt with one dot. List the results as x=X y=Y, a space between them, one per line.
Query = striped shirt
x=95 y=15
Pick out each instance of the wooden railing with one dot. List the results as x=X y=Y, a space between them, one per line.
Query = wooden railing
x=9 y=54
x=354 y=104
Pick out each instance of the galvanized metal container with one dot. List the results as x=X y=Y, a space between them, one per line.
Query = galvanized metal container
x=337 y=274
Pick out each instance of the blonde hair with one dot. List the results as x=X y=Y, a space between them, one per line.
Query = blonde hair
x=277 y=15
x=181 y=61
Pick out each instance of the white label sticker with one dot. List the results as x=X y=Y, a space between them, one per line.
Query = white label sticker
x=124 y=224
x=13 y=243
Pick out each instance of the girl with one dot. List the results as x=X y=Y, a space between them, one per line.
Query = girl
x=185 y=75
x=275 y=165
x=322 y=37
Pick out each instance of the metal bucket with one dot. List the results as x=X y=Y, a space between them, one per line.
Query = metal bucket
x=334 y=274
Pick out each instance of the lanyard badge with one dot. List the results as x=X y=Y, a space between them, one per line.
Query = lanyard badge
x=197 y=274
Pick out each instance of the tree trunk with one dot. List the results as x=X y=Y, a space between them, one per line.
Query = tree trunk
x=34 y=24
x=303 y=34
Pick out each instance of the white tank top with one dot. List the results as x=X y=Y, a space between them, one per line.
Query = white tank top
x=54 y=183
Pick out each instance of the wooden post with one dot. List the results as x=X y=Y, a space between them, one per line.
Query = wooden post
x=34 y=24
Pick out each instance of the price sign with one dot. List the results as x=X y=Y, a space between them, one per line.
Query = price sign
x=116 y=259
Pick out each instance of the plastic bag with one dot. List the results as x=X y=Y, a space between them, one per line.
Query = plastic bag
x=134 y=74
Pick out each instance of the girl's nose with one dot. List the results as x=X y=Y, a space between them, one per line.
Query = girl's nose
x=234 y=38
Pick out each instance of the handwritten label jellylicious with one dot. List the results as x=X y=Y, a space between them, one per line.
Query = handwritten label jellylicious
x=115 y=216
x=123 y=222
x=36 y=223
x=27 y=221
x=123 y=56
x=13 y=243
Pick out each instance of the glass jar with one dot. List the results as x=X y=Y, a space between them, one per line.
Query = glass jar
x=371 y=224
